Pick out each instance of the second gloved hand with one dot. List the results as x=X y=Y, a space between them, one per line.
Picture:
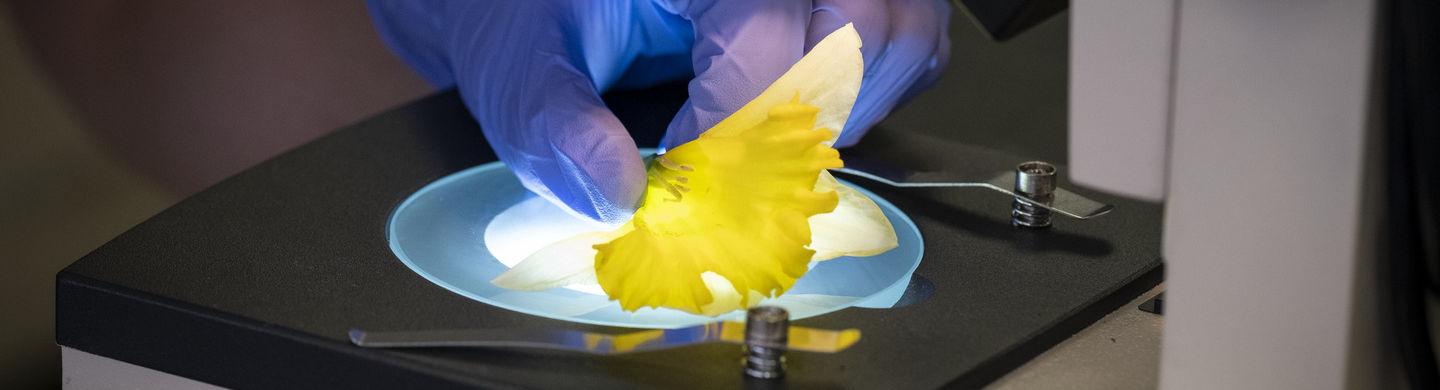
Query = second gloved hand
x=531 y=72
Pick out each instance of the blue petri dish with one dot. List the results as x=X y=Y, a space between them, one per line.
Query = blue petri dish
x=439 y=232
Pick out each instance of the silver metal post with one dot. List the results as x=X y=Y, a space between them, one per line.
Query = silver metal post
x=767 y=331
x=1036 y=180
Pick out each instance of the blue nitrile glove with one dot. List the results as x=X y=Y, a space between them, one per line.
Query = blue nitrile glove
x=531 y=71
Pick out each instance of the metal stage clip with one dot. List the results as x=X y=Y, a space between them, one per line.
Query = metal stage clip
x=799 y=338
x=1032 y=185
x=766 y=339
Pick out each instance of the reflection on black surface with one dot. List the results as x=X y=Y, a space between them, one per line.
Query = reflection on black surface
x=924 y=201
x=919 y=290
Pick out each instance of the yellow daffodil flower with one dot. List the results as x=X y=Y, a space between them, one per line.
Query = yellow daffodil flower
x=738 y=214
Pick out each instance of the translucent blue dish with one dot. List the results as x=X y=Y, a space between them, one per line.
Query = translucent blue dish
x=439 y=232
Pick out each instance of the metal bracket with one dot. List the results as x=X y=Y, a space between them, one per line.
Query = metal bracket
x=798 y=338
x=1027 y=185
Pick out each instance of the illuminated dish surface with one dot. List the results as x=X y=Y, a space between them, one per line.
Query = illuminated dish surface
x=455 y=231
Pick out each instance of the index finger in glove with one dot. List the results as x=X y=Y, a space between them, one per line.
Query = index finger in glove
x=904 y=53
x=741 y=46
x=542 y=113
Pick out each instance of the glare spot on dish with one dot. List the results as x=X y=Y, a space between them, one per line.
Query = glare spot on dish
x=532 y=224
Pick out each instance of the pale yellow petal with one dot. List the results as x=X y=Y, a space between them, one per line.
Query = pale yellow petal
x=828 y=78
x=857 y=226
x=534 y=223
x=726 y=299
x=564 y=263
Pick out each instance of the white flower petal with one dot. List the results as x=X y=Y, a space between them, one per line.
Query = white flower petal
x=568 y=262
x=857 y=226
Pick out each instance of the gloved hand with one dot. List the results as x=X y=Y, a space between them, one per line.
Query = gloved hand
x=531 y=72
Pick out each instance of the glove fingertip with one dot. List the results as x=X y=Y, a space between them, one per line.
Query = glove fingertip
x=682 y=128
x=604 y=182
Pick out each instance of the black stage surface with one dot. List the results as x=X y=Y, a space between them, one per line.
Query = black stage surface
x=254 y=282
